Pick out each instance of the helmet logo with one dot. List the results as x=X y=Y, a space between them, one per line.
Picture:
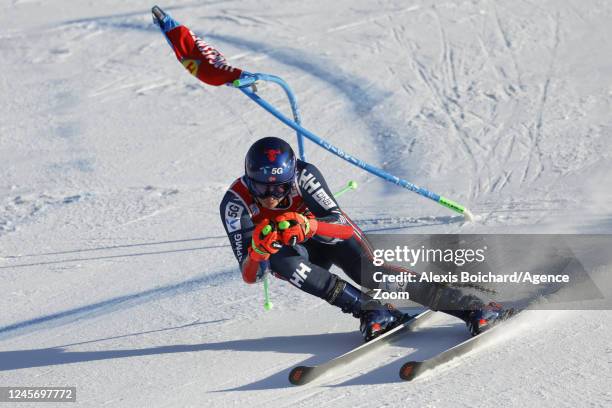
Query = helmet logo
x=272 y=153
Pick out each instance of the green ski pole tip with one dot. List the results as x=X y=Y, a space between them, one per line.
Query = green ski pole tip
x=352 y=184
x=268 y=306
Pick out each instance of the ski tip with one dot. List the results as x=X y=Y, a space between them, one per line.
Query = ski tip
x=410 y=370
x=300 y=375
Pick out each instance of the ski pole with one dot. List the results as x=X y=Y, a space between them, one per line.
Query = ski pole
x=267 y=303
x=351 y=185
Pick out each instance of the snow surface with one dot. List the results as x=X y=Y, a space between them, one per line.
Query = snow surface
x=116 y=276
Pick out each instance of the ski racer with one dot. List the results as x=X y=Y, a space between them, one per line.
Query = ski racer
x=281 y=217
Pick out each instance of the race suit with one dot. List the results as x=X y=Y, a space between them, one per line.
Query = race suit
x=306 y=265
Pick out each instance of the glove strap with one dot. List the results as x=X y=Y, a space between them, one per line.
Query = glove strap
x=259 y=251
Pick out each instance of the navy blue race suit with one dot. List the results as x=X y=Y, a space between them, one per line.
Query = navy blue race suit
x=307 y=264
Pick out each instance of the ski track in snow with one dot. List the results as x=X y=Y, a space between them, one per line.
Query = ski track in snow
x=117 y=276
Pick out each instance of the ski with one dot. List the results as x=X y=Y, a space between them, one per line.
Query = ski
x=301 y=375
x=412 y=369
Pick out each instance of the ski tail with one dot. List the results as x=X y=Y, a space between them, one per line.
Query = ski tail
x=301 y=375
x=201 y=59
x=410 y=370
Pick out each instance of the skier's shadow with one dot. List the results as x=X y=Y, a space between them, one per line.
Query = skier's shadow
x=427 y=343
x=324 y=347
x=332 y=344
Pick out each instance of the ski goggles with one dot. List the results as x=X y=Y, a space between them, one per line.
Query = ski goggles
x=262 y=190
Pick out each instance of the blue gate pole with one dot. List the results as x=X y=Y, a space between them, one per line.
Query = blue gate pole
x=245 y=85
x=294 y=107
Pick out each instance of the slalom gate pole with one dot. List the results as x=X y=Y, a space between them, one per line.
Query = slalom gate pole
x=351 y=185
x=294 y=109
x=246 y=84
x=210 y=67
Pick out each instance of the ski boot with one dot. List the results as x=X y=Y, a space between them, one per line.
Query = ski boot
x=378 y=319
x=486 y=317
x=375 y=318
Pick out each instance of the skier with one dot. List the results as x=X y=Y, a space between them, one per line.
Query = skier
x=281 y=217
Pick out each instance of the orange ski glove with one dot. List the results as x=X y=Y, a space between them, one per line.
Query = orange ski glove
x=265 y=241
x=294 y=227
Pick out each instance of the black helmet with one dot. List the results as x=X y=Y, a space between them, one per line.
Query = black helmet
x=269 y=167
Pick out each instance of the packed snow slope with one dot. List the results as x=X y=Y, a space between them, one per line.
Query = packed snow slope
x=115 y=273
